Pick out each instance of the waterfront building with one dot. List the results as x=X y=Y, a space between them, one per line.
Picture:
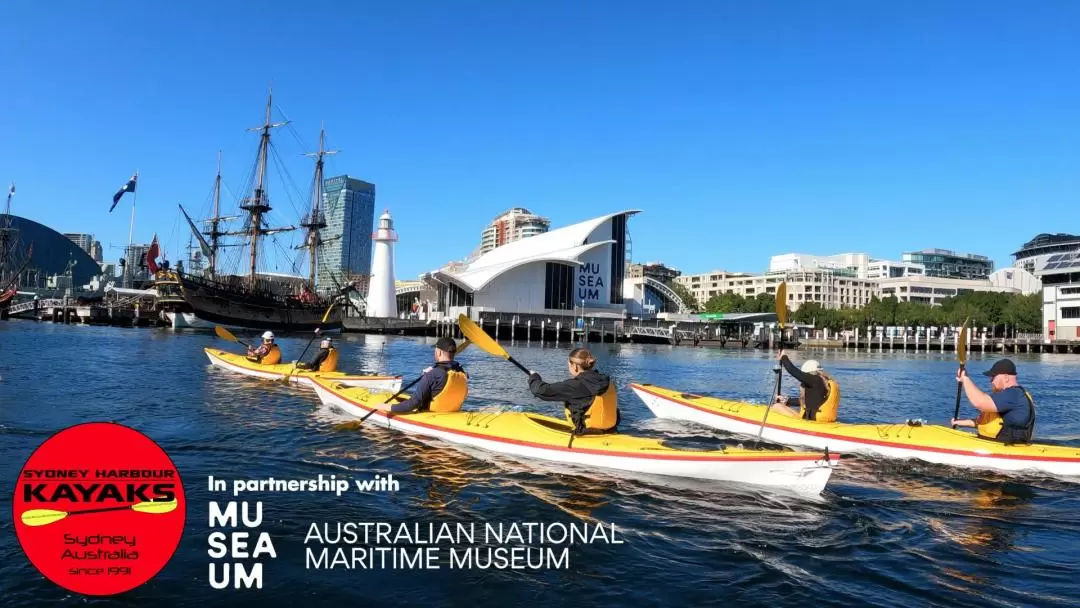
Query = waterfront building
x=950 y=264
x=850 y=264
x=53 y=252
x=1034 y=253
x=345 y=255
x=885 y=269
x=932 y=290
x=653 y=270
x=581 y=266
x=512 y=225
x=707 y=284
x=134 y=263
x=1060 y=275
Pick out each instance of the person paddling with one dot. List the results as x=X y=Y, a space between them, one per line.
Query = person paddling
x=443 y=387
x=325 y=360
x=1007 y=414
x=819 y=394
x=267 y=353
x=588 y=396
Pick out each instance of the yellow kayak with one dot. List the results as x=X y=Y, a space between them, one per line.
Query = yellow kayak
x=931 y=443
x=543 y=437
x=239 y=364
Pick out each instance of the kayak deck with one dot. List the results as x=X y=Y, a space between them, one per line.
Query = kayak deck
x=240 y=364
x=935 y=440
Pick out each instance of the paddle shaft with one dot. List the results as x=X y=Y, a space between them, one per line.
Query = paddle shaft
x=959 y=390
x=311 y=341
x=394 y=396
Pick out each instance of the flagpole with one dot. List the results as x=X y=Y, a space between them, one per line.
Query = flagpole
x=131 y=228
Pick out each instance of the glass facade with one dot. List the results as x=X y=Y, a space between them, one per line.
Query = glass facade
x=559 y=287
x=349 y=209
x=618 y=258
x=949 y=264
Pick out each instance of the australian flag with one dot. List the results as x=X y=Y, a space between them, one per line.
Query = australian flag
x=128 y=187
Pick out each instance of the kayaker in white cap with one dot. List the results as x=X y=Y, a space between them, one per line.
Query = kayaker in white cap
x=819 y=394
x=267 y=353
x=325 y=360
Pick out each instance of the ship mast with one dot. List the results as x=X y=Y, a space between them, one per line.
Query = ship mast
x=6 y=242
x=316 y=221
x=259 y=203
x=214 y=233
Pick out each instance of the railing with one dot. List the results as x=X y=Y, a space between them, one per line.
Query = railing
x=27 y=306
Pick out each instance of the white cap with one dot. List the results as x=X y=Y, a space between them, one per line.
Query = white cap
x=811 y=366
x=325 y=343
x=268 y=335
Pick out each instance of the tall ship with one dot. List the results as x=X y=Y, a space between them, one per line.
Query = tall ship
x=245 y=297
x=13 y=258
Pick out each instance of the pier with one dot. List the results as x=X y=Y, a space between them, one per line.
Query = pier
x=1022 y=343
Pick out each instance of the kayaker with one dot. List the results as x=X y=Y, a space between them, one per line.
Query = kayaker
x=588 y=396
x=819 y=393
x=325 y=360
x=267 y=353
x=443 y=387
x=1007 y=414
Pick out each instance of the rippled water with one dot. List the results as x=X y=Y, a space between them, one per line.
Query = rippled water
x=885 y=533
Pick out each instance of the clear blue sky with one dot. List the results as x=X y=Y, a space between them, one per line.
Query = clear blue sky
x=742 y=129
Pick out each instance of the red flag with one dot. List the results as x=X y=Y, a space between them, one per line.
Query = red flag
x=151 y=256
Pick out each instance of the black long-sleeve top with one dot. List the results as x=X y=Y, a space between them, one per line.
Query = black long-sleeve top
x=813 y=386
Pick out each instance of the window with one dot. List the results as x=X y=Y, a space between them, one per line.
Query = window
x=1067 y=291
x=1070 y=312
x=559 y=287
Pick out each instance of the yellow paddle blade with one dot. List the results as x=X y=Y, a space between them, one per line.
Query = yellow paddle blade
x=41 y=517
x=224 y=334
x=961 y=343
x=781 y=303
x=327 y=315
x=157 y=508
x=476 y=335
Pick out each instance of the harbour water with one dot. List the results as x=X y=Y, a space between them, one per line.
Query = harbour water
x=884 y=533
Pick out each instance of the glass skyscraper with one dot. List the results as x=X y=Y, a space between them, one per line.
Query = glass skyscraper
x=349 y=211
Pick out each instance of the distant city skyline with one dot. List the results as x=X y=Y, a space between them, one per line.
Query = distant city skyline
x=740 y=129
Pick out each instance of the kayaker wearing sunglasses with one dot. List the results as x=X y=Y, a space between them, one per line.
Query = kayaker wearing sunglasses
x=588 y=396
x=819 y=393
x=1007 y=414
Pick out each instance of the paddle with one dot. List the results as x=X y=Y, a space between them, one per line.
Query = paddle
x=461 y=348
x=225 y=334
x=781 y=317
x=961 y=353
x=325 y=316
x=484 y=342
x=44 y=517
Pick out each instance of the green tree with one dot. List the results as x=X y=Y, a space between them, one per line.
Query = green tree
x=684 y=294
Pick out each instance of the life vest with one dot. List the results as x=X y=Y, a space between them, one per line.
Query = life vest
x=329 y=364
x=828 y=409
x=991 y=425
x=271 y=358
x=453 y=394
x=603 y=413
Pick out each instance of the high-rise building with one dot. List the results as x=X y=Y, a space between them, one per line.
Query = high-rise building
x=512 y=225
x=135 y=264
x=96 y=252
x=949 y=264
x=654 y=270
x=349 y=209
x=84 y=241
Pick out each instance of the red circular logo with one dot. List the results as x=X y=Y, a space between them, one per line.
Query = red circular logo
x=99 y=508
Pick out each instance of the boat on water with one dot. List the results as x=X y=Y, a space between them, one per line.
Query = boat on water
x=239 y=364
x=535 y=436
x=926 y=442
x=254 y=299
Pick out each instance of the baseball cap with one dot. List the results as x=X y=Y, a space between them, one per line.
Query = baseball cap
x=1003 y=366
x=446 y=344
x=811 y=366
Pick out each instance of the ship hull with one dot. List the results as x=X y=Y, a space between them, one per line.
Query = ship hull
x=219 y=305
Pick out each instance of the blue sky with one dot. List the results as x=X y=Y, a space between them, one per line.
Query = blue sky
x=742 y=129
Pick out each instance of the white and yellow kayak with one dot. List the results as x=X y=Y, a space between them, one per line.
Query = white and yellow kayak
x=239 y=364
x=930 y=443
x=541 y=437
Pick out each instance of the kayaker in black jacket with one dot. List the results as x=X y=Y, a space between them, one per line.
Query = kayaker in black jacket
x=325 y=358
x=814 y=391
x=589 y=396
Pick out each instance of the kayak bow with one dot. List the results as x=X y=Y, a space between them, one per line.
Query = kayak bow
x=240 y=365
x=541 y=437
x=931 y=443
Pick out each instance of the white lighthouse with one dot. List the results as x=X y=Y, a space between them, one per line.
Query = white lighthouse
x=382 y=299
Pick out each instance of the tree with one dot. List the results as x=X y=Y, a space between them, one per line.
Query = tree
x=685 y=295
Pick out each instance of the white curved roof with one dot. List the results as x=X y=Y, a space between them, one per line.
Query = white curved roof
x=565 y=245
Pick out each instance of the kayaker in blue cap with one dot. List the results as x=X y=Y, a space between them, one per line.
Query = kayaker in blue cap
x=588 y=396
x=443 y=387
x=1007 y=414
